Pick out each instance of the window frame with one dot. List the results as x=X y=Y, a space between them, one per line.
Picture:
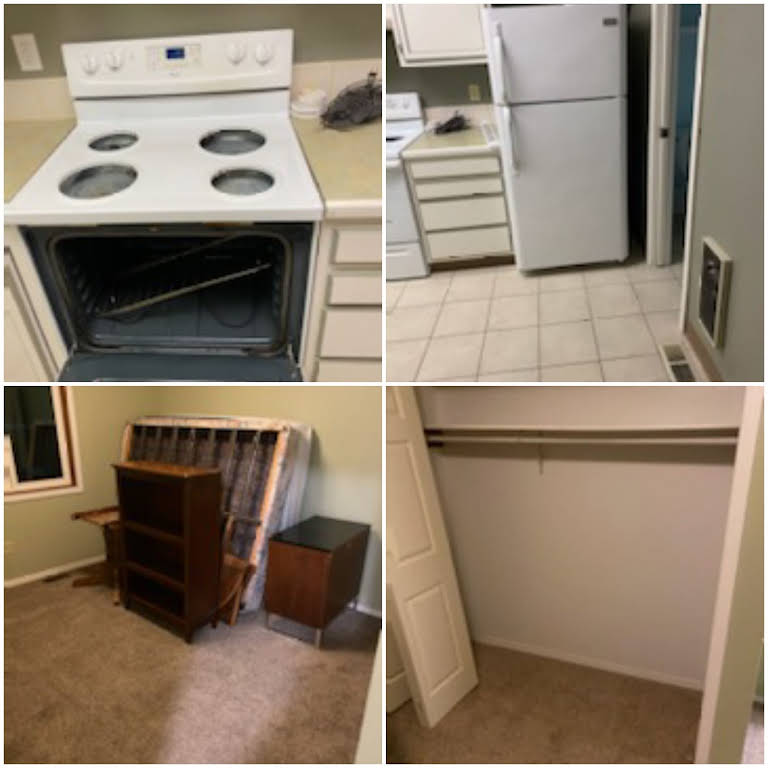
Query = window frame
x=71 y=479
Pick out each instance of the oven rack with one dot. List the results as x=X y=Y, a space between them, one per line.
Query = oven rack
x=135 y=295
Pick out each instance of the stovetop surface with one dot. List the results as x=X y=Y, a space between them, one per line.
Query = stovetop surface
x=168 y=173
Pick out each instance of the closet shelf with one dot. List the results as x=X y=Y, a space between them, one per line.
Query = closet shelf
x=544 y=435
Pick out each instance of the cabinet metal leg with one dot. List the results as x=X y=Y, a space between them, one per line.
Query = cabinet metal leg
x=318 y=637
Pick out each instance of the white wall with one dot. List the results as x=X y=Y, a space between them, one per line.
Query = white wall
x=607 y=556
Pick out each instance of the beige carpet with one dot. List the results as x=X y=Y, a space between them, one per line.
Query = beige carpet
x=528 y=709
x=88 y=682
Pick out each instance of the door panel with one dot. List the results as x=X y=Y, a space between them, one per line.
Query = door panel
x=559 y=52
x=84 y=366
x=568 y=190
x=440 y=31
x=428 y=615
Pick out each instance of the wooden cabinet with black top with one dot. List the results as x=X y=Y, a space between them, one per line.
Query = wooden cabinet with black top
x=170 y=540
x=314 y=570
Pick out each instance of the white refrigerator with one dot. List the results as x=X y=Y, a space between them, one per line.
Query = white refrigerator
x=558 y=79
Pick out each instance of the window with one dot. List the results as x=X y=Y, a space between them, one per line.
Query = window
x=40 y=451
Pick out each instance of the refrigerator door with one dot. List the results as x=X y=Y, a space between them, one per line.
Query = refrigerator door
x=556 y=52
x=567 y=192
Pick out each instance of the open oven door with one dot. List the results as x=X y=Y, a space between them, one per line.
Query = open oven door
x=145 y=366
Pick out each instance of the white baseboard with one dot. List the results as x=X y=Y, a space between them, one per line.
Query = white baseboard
x=367 y=609
x=585 y=661
x=59 y=569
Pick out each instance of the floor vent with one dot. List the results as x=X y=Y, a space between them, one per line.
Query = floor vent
x=678 y=368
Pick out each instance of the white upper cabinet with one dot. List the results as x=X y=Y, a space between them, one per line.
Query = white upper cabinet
x=438 y=35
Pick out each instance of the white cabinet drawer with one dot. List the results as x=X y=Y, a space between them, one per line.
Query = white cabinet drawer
x=430 y=190
x=351 y=333
x=357 y=246
x=355 y=289
x=460 y=166
x=470 y=242
x=348 y=370
x=467 y=212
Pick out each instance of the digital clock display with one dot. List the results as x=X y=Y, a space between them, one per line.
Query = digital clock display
x=174 y=53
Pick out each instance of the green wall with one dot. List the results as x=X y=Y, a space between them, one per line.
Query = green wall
x=322 y=32
x=437 y=86
x=728 y=197
x=344 y=479
x=39 y=533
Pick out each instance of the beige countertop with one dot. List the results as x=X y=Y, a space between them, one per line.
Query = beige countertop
x=28 y=143
x=429 y=144
x=346 y=166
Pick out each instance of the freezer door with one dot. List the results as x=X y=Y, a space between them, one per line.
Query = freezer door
x=87 y=366
x=568 y=192
x=556 y=52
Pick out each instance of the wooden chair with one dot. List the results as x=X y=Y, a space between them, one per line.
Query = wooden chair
x=233 y=577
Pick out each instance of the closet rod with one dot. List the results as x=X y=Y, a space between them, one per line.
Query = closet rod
x=581 y=436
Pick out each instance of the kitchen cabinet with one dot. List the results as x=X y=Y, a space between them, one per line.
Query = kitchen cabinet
x=343 y=341
x=33 y=347
x=438 y=35
x=459 y=201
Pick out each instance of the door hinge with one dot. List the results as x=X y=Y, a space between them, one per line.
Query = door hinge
x=663 y=133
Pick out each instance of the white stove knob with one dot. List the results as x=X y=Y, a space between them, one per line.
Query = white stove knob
x=236 y=52
x=90 y=64
x=114 y=59
x=263 y=53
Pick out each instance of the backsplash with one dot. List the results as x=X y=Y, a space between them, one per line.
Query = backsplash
x=47 y=98
x=437 y=86
x=322 y=32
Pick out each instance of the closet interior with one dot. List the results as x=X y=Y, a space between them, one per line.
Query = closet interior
x=586 y=529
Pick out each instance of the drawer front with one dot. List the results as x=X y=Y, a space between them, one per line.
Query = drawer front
x=461 y=166
x=467 y=212
x=355 y=289
x=351 y=333
x=348 y=370
x=468 y=243
x=431 y=190
x=357 y=246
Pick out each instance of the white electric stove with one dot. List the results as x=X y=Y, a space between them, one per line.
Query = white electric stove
x=172 y=230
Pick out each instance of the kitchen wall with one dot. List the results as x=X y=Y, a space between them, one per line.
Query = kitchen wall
x=607 y=556
x=39 y=534
x=437 y=86
x=344 y=479
x=322 y=32
x=728 y=197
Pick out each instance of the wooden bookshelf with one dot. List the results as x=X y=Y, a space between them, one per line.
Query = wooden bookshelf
x=169 y=526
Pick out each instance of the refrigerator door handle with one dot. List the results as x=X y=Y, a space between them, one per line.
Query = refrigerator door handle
x=497 y=60
x=508 y=137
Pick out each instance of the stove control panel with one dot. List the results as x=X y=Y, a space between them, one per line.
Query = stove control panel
x=179 y=65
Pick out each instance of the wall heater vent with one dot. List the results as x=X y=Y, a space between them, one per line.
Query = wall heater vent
x=714 y=283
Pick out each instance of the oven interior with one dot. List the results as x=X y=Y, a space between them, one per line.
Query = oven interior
x=197 y=289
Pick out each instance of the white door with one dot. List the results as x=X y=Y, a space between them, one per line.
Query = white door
x=558 y=52
x=661 y=133
x=735 y=645
x=567 y=183
x=428 y=616
x=430 y=34
x=397 y=682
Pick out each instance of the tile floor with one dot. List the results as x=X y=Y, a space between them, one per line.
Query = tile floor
x=599 y=323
